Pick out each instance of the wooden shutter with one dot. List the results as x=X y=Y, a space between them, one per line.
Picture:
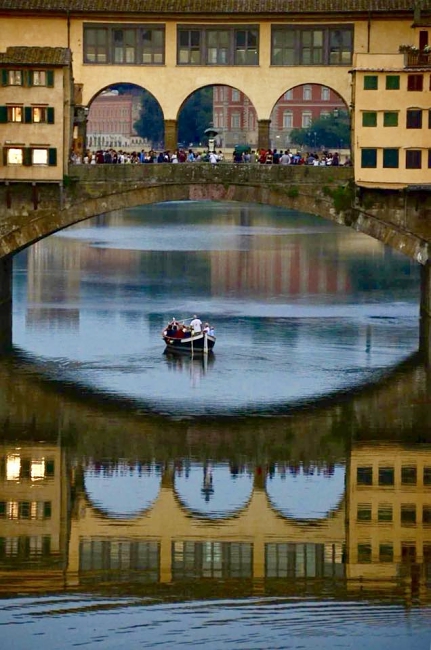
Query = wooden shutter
x=27 y=114
x=50 y=115
x=26 y=156
x=3 y=114
x=52 y=157
x=4 y=77
x=50 y=78
x=3 y=157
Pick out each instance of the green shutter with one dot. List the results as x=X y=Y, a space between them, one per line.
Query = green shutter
x=27 y=114
x=369 y=118
x=52 y=157
x=392 y=82
x=26 y=157
x=50 y=115
x=3 y=157
x=3 y=114
x=4 y=77
x=371 y=82
x=369 y=158
x=50 y=78
x=390 y=118
x=27 y=77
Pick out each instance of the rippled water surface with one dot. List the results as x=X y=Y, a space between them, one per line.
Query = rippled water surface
x=276 y=494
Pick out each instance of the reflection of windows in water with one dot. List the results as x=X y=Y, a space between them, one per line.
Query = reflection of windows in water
x=364 y=512
x=212 y=560
x=291 y=560
x=408 y=514
x=408 y=475
x=25 y=546
x=364 y=475
x=117 y=558
x=384 y=512
x=386 y=476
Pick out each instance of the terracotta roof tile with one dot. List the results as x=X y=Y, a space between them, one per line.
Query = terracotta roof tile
x=36 y=56
x=211 y=6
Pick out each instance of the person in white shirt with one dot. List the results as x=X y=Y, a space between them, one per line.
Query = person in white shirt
x=196 y=325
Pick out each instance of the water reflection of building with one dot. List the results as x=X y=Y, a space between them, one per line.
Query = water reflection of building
x=34 y=503
x=389 y=531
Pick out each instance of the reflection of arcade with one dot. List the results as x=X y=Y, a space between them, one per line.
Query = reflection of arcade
x=380 y=543
x=196 y=366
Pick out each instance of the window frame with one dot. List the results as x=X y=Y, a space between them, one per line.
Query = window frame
x=372 y=152
x=291 y=53
x=392 y=77
x=386 y=119
x=371 y=85
x=413 y=158
x=104 y=44
x=240 y=45
x=415 y=83
x=389 y=163
x=414 y=118
x=371 y=117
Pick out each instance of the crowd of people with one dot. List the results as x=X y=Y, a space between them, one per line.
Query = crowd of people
x=262 y=156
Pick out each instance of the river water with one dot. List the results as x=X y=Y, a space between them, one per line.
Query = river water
x=275 y=494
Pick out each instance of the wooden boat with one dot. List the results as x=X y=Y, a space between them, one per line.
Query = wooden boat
x=182 y=337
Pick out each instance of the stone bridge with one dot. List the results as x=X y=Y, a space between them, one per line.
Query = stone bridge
x=29 y=211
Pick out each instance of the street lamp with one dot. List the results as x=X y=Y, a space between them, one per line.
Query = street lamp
x=211 y=133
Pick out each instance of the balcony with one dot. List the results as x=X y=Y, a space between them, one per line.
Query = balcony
x=417 y=59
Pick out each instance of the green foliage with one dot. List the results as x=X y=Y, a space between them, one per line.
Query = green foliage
x=195 y=116
x=343 y=198
x=293 y=192
x=150 y=124
x=327 y=132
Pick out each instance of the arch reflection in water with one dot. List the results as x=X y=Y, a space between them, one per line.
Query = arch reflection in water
x=122 y=490
x=213 y=491
x=302 y=491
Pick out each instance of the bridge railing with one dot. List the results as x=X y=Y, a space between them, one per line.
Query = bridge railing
x=206 y=173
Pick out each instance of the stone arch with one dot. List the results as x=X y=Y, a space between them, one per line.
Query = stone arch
x=130 y=95
x=299 y=106
x=229 y=103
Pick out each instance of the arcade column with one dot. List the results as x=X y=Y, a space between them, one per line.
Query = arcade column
x=263 y=140
x=171 y=135
x=5 y=304
x=425 y=311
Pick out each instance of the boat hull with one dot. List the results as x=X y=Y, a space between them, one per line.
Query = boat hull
x=190 y=343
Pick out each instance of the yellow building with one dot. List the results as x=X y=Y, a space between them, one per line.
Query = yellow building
x=392 y=120
x=35 y=113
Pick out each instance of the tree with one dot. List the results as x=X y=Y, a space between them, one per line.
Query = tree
x=150 y=124
x=326 y=132
x=195 y=116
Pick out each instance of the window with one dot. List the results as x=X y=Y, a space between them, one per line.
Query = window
x=364 y=553
x=427 y=475
x=390 y=158
x=307 y=118
x=414 y=118
x=364 y=512
x=235 y=120
x=115 y=44
x=39 y=78
x=14 y=113
x=288 y=95
x=414 y=159
x=368 y=158
x=14 y=156
x=426 y=515
x=386 y=553
x=287 y=119
x=320 y=45
x=386 y=476
x=153 y=46
x=369 y=118
x=364 y=475
x=415 y=82
x=223 y=46
x=392 y=82
x=15 y=77
x=390 y=118
x=39 y=114
x=408 y=475
x=306 y=93
x=39 y=156
x=217 y=47
x=246 y=47
x=325 y=94
x=408 y=514
x=371 y=82
x=235 y=95
x=384 y=513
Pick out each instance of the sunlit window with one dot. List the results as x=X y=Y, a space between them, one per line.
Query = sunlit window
x=39 y=114
x=15 y=77
x=40 y=156
x=37 y=469
x=13 y=466
x=12 y=510
x=14 y=156
x=14 y=113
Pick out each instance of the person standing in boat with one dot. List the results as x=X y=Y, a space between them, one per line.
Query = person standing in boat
x=196 y=325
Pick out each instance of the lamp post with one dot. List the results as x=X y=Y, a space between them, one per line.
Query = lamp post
x=211 y=133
